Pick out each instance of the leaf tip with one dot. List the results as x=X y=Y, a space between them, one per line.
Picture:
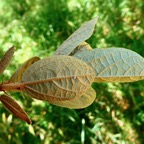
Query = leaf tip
x=28 y=121
x=15 y=108
x=96 y=18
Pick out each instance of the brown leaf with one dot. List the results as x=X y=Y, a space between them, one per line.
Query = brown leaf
x=17 y=76
x=15 y=108
x=58 y=77
x=6 y=59
x=79 y=102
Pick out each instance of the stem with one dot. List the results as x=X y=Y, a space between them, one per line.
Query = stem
x=21 y=86
x=12 y=86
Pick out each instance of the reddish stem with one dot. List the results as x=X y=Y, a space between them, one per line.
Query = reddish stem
x=21 y=86
x=12 y=86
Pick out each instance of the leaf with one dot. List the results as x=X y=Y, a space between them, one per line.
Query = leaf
x=6 y=59
x=81 y=47
x=58 y=78
x=79 y=102
x=15 y=108
x=17 y=76
x=114 y=64
x=80 y=35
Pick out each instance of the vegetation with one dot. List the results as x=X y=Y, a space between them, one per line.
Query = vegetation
x=37 y=28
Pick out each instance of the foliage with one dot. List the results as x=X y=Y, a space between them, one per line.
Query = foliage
x=37 y=28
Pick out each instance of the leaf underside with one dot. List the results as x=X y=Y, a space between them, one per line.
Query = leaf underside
x=17 y=76
x=6 y=59
x=80 y=35
x=114 y=64
x=79 y=102
x=58 y=78
x=81 y=47
x=15 y=108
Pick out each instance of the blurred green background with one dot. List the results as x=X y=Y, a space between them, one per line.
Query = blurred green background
x=37 y=28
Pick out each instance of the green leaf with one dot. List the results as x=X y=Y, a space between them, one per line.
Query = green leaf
x=17 y=76
x=80 y=35
x=114 y=64
x=6 y=59
x=15 y=108
x=79 y=102
x=58 y=78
